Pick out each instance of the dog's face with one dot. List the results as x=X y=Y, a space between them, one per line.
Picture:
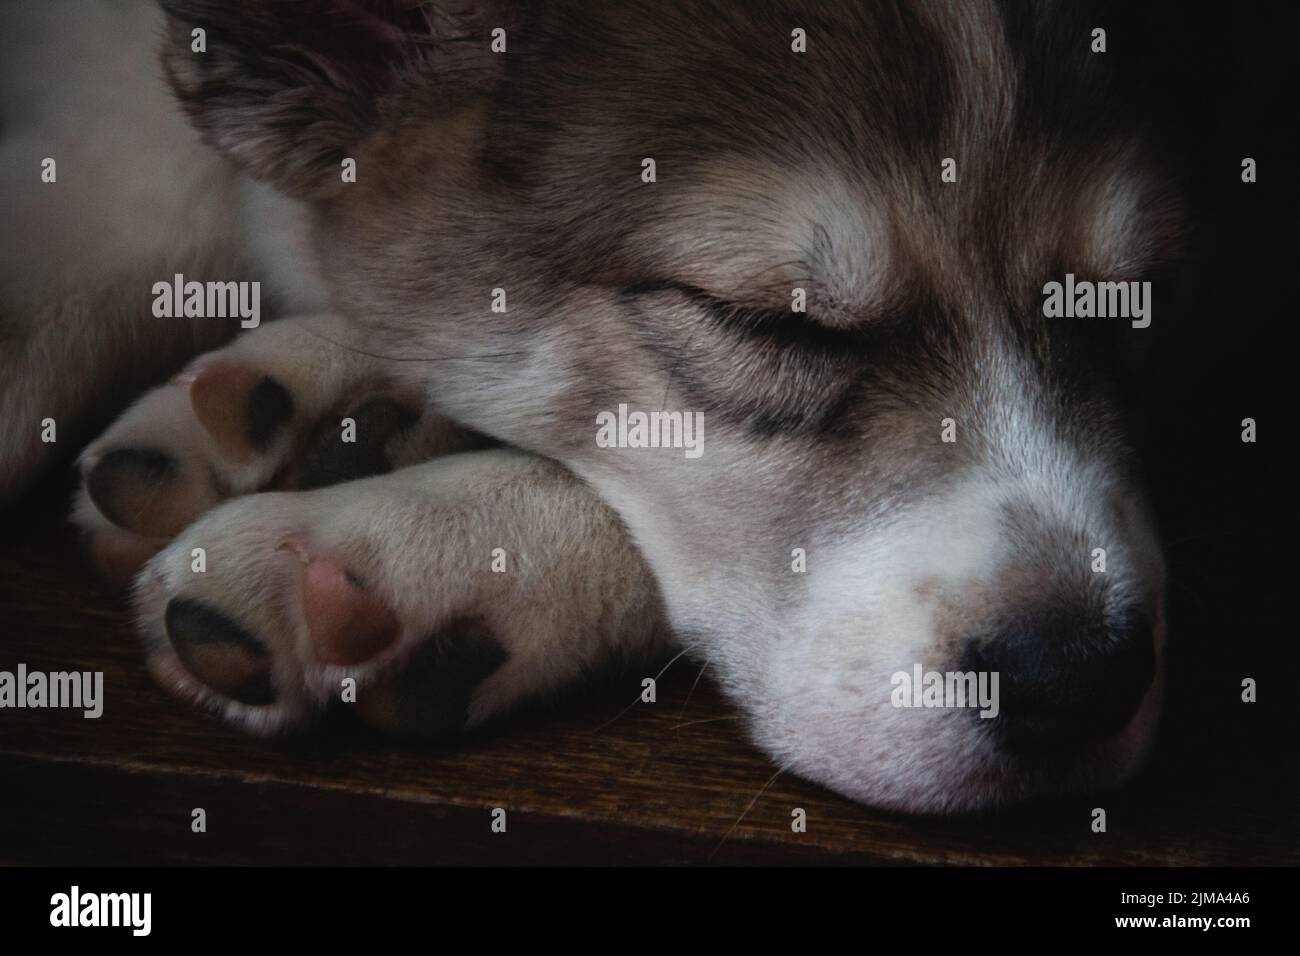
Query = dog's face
x=918 y=469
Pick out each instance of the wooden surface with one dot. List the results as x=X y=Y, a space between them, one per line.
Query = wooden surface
x=589 y=780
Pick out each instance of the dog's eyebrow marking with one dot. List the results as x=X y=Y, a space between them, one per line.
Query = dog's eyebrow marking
x=1127 y=222
x=751 y=232
x=853 y=254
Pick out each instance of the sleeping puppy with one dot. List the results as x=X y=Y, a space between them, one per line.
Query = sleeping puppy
x=602 y=329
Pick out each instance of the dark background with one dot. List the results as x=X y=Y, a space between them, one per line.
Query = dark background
x=1223 y=80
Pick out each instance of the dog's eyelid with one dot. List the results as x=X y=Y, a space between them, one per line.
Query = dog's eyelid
x=771 y=326
x=819 y=331
x=719 y=305
x=650 y=287
x=659 y=286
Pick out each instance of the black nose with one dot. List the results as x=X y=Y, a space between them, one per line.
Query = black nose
x=1061 y=683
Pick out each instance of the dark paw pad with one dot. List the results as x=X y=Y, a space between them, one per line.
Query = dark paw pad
x=219 y=652
x=429 y=696
x=138 y=489
x=333 y=461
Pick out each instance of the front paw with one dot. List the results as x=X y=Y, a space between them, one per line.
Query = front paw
x=274 y=607
x=280 y=408
x=259 y=612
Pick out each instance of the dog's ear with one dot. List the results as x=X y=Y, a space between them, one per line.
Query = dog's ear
x=288 y=88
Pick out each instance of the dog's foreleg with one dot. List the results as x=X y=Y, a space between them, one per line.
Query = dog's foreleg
x=447 y=593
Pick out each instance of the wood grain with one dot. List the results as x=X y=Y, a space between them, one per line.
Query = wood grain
x=588 y=780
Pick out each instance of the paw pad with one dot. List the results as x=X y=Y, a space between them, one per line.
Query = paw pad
x=241 y=408
x=218 y=652
x=143 y=491
x=348 y=625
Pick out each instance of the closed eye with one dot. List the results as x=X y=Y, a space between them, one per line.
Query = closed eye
x=769 y=327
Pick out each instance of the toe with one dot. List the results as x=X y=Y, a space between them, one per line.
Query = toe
x=144 y=491
x=347 y=624
x=219 y=653
x=243 y=409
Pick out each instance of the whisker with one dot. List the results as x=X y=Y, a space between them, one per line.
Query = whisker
x=706 y=720
x=638 y=696
x=690 y=692
x=770 y=780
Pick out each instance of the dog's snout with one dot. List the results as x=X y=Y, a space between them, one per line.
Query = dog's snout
x=1062 y=681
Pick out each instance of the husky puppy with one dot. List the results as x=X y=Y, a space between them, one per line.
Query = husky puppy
x=602 y=328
